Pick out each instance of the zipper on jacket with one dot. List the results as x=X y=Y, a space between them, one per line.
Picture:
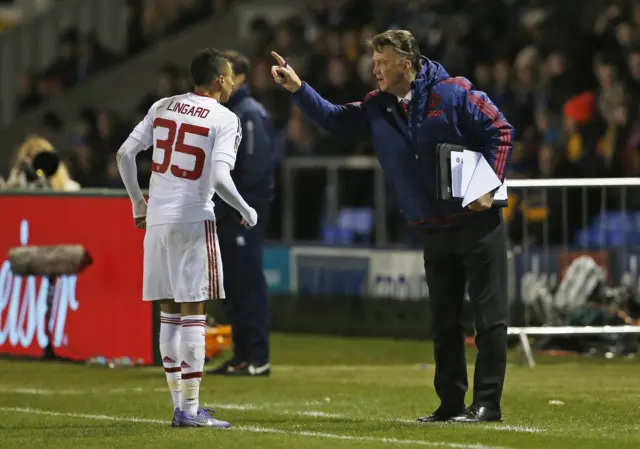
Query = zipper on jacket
x=412 y=136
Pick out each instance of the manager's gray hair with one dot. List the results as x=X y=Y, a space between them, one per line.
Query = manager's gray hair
x=402 y=41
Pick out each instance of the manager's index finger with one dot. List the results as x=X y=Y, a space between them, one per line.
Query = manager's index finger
x=278 y=58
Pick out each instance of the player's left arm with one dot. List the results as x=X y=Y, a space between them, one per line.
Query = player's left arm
x=140 y=139
x=489 y=127
x=225 y=149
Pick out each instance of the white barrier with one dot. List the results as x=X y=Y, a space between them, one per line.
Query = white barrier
x=524 y=332
x=584 y=182
x=333 y=164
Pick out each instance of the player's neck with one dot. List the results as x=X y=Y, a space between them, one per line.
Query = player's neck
x=207 y=93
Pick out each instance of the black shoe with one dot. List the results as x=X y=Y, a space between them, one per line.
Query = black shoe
x=478 y=413
x=228 y=367
x=442 y=415
x=253 y=370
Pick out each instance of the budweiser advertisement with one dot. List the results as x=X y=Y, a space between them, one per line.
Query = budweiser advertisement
x=98 y=312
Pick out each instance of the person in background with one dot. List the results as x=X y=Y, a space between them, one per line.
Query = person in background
x=247 y=303
x=19 y=175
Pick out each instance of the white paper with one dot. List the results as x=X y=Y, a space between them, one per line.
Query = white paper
x=501 y=194
x=483 y=180
x=456 y=174
x=470 y=161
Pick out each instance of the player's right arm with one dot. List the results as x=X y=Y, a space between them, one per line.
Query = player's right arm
x=225 y=148
x=140 y=139
x=348 y=120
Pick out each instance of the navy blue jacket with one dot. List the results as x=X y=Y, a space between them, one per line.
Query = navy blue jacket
x=254 y=169
x=442 y=110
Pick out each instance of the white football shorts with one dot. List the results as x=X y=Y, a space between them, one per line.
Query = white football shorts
x=182 y=262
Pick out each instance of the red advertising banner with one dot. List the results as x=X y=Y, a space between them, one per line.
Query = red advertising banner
x=98 y=312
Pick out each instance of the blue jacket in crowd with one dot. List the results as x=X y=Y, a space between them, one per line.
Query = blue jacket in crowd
x=254 y=169
x=442 y=110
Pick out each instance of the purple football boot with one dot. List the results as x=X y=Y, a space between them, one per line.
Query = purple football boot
x=202 y=419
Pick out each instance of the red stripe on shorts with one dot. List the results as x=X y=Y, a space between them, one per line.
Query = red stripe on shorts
x=207 y=227
x=215 y=261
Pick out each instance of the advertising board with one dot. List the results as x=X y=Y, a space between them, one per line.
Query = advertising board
x=98 y=312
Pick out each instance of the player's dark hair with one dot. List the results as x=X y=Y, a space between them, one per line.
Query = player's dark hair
x=207 y=65
x=402 y=42
x=239 y=62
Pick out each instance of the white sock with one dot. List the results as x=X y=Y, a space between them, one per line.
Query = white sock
x=170 y=326
x=192 y=350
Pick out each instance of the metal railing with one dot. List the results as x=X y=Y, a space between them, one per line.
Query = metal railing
x=552 y=222
x=572 y=242
x=33 y=44
x=573 y=258
x=332 y=166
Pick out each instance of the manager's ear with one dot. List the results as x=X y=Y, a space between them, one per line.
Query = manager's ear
x=408 y=66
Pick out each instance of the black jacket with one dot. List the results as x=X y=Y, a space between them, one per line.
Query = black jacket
x=254 y=169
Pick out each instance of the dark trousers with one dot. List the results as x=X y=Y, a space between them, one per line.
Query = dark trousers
x=473 y=253
x=246 y=302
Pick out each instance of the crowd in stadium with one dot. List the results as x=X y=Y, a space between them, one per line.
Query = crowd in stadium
x=568 y=82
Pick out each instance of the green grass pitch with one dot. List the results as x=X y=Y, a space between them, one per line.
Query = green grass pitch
x=323 y=393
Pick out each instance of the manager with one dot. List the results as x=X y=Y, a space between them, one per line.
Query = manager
x=417 y=106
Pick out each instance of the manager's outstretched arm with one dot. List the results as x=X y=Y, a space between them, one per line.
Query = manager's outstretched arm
x=348 y=120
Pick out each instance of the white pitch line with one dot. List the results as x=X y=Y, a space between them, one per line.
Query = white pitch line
x=255 y=429
x=98 y=391
x=509 y=428
x=321 y=414
x=70 y=391
x=271 y=407
x=81 y=415
x=309 y=413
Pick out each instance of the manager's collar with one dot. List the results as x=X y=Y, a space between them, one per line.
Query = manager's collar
x=406 y=98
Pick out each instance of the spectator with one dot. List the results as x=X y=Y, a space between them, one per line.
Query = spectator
x=22 y=173
x=82 y=56
x=50 y=125
x=92 y=57
x=62 y=74
x=569 y=83
x=165 y=87
x=260 y=36
x=27 y=91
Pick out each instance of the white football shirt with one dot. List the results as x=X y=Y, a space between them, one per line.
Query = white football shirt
x=189 y=133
